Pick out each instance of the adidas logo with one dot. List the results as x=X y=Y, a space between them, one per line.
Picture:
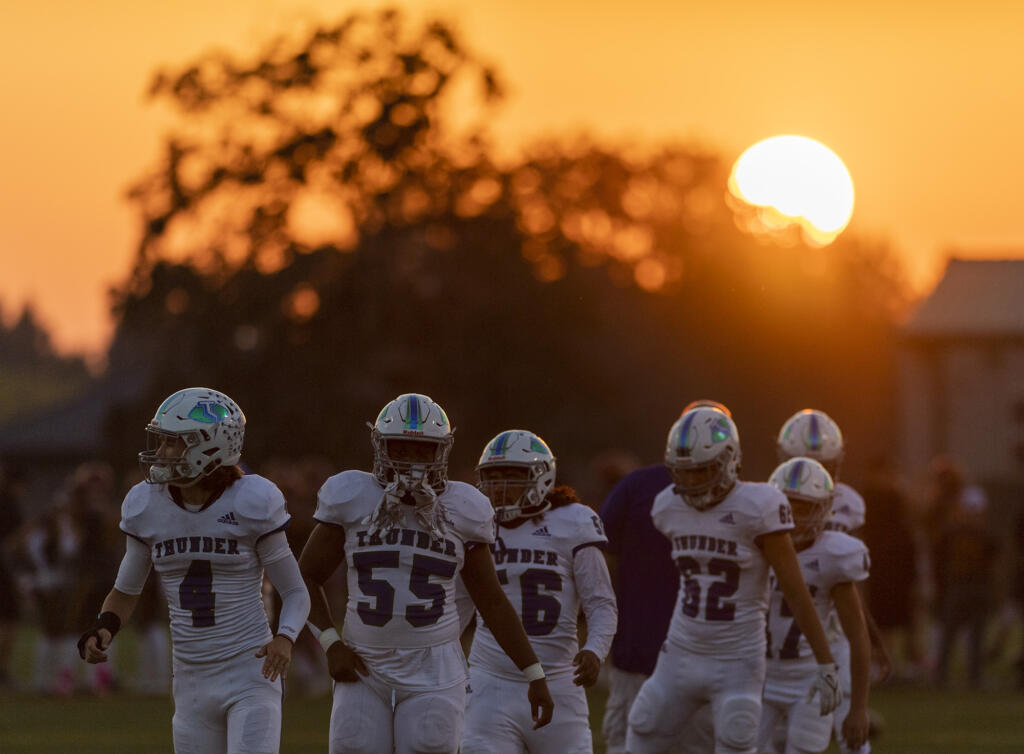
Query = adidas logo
x=813 y=565
x=228 y=518
x=727 y=519
x=542 y=532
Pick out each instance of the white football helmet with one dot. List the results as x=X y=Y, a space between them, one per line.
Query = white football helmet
x=211 y=428
x=809 y=488
x=416 y=417
x=703 y=456
x=812 y=434
x=515 y=498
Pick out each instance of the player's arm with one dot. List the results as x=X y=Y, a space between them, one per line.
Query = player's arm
x=778 y=551
x=279 y=564
x=481 y=582
x=846 y=598
x=593 y=584
x=323 y=553
x=119 y=603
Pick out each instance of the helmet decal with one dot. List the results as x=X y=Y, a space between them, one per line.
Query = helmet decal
x=685 y=443
x=814 y=433
x=498 y=446
x=795 y=476
x=721 y=431
x=412 y=421
x=208 y=412
x=539 y=447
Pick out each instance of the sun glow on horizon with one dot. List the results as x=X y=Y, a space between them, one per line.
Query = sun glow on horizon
x=794 y=180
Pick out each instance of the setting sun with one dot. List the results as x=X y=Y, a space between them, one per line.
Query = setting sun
x=795 y=180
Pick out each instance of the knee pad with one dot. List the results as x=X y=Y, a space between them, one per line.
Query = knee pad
x=260 y=731
x=436 y=727
x=737 y=723
x=354 y=737
x=647 y=709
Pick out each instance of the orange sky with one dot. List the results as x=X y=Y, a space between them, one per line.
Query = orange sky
x=921 y=102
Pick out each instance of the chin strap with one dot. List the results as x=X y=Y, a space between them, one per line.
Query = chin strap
x=390 y=511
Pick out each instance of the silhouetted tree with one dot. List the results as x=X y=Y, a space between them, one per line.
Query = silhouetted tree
x=323 y=234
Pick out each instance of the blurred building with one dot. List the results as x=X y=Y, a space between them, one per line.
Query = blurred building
x=961 y=377
x=49 y=442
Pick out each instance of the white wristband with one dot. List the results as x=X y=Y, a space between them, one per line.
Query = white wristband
x=533 y=672
x=328 y=637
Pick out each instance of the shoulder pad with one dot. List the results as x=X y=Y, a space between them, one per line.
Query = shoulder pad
x=849 y=554
x=470 y=510
x=586 y=525
x=348 y=496
x=258 y=499
x=135 y=502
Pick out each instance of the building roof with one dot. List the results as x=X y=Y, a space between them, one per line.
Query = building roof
x=73 y=428
x=975 y=298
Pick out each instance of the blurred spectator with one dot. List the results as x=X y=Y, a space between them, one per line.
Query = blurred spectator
x=93 y=511
x=46 y=548
x=890 y=539
x=12 y=489
x=963 y=553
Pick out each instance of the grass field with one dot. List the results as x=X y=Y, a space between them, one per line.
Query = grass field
x=917 y=720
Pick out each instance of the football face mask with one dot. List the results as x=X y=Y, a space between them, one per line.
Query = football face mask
x=517 y=472
x=194 y=432
x=809 y=489
x=703 y=456
x=411 y=442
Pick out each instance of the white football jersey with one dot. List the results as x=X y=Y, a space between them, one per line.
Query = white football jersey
x=401 y=586
x=723 y=582
x=534 y=562
x=207 y=563
x=848 y=510
x=834 y=558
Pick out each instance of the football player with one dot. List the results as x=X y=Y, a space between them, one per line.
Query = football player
x=646 y=582
x=832 y=563
x=725 y=535
x=210 y=532
x=811 y=433
x=404 y=533
x=547 y=552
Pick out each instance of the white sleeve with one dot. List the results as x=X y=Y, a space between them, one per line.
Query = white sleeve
x=594 y=586
x=283 y=572
x=135 y=565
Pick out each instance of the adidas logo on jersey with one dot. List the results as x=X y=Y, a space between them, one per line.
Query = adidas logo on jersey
x=727 y=519
x=228 y=518
x=542 y=532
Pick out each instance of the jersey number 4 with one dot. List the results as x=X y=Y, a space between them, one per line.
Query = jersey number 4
x=196 y=593
x=714 y=608
x=380 y=611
